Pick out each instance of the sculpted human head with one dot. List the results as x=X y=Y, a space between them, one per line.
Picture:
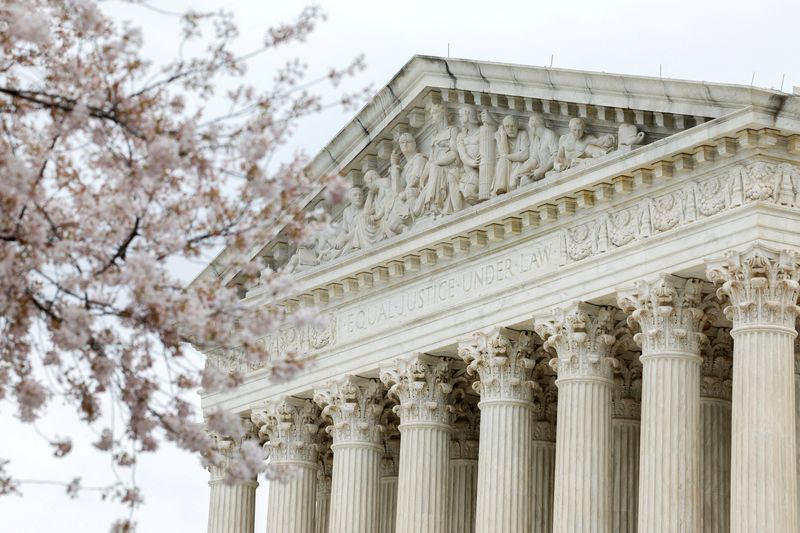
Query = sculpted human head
x=356 y=196
x=577 y=127
x=536 y=121
x=438 y=113
x=407 y=144
x=510 y=125
x=467 y=115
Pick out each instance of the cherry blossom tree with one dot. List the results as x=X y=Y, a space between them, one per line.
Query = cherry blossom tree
x=111 y=168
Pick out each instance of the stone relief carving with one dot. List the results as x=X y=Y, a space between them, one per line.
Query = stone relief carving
x=513 y=149
x=462 y=164
x=742 y=184
x=577 y=147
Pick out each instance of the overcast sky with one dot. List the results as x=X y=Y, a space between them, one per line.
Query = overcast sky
x=717 y=41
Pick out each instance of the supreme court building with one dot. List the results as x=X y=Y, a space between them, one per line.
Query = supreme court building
x=555 y=301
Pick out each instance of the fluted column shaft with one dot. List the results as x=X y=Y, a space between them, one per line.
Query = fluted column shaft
x=423 y=481
x=580 y=334
x=323 y=511
x=388 y=499
x=668 y=311
x=355 y=487
x=355 y=406
x=504 y=467
x=763 y=469
x=232 y=507
x=797 y=421
x=582 y=499
x=292 y=502
x=625 y=474
x=669 y=469
x=505 y=456
x=544 y=470
x=291 y=427
x=715 y=464
x=463 y=495
x=422 y=387
x=762 y=287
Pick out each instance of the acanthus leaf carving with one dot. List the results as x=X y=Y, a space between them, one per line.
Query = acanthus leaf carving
x=422 y=386
x=290 y=428
x=355 y=406
x=581 y=335
x=760 y=284
x=502 y=364
x=669 y=313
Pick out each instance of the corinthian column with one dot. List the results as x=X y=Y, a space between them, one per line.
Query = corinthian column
x=232 y=507
x=464 y=464
x=715 y=434
x=762 y=287
x=669 y=316
x=422 y=387
x=389 y=471
x=581 y=336
x=355 y=405
x=544 y=443
x=291 y=428
x=323 y=508
x=505 y=459
x=625 y=430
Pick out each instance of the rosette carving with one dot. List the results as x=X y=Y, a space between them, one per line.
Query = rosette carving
x=503 y=365
x=289 y=426
x=355 y=406
x=422 y=386
x=669 y=313
x=760 y=284
x=581 y=336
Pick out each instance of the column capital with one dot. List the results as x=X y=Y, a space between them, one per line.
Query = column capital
x=355 y=406
x=325 y=462
x=761 y=285
x=581 y=335
x=290 y=427
x=545 y=408
x=390 y=461
x=466 y=424
x=502 y=360
x=627 y=395
x=422 y=386
x=717 y=369
x=228 y=452
x=670 y=313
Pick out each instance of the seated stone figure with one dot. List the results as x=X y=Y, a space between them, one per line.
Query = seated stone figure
x=577 y=147
x=544 y=147
x=389 y=214
x=407 y=179
x=356 y=229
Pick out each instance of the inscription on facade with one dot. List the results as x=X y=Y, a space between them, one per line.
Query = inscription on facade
x=446 y=290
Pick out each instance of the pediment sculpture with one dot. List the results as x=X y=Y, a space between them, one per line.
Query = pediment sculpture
x=464 y=164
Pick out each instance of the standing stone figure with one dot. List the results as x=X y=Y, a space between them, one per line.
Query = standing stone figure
x=577 y=147
x=513 y=149
x=544 y=147
x=408 y=179
x=488 y=153
x=469 y=150
x=442 y=166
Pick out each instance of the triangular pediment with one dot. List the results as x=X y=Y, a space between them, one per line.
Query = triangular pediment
x=481 y=130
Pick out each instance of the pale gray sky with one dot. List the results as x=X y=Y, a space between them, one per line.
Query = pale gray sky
x=720 y=41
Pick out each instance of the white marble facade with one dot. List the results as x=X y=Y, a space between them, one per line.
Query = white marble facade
x=556 y=301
